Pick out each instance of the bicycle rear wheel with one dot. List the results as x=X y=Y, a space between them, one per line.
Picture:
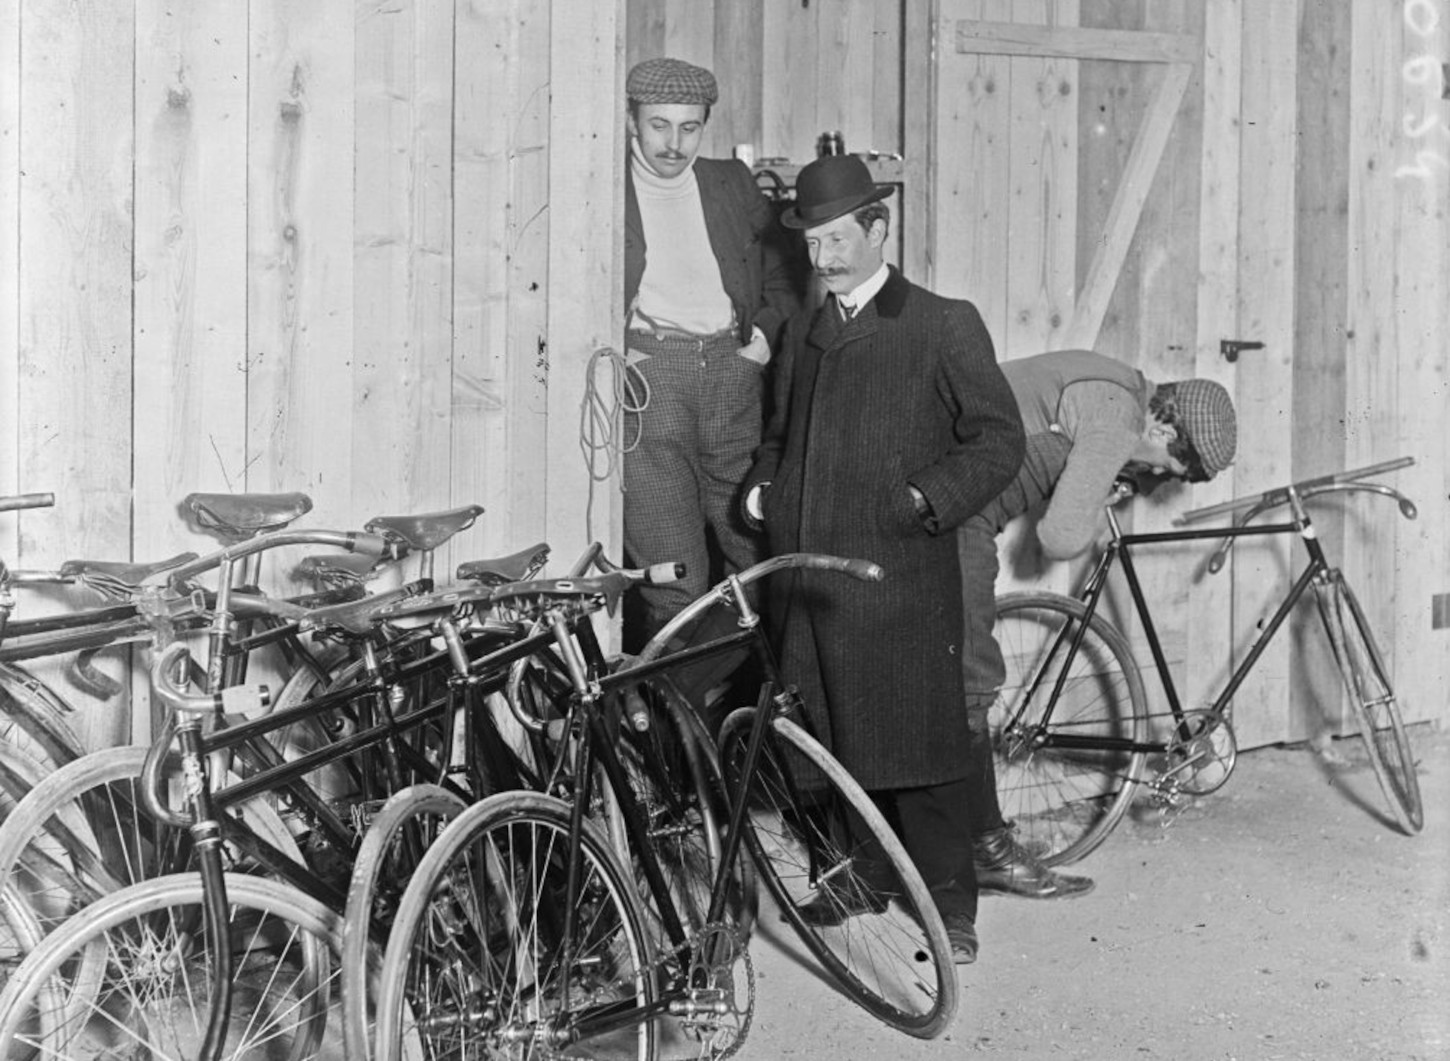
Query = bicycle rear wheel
x=392 y=846
x=475 y=964
x=1067 y=768
x=1373 y=697
x=809 y=829
x=154 y=977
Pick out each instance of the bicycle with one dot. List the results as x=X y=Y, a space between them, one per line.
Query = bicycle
x=522 y=931
x=1072 y=730
x=398 y=699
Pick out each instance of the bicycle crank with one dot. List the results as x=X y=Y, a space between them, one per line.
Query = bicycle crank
x=1200 y=755
x=718 y=1000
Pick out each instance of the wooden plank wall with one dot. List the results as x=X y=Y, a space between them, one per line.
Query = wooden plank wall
x=282 y=246
x=1321 y=232
x=787 y=71
x=274 y=246
x=1396 y=357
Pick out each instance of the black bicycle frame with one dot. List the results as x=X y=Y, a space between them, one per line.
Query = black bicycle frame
x=597 y=747
x=1120 y=548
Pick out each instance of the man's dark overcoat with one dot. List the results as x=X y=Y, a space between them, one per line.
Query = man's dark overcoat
x=907 y=392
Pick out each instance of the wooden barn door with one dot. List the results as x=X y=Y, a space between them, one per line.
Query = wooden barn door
x=1084 y=190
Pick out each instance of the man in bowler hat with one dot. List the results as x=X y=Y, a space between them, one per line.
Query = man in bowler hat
x=891 y=426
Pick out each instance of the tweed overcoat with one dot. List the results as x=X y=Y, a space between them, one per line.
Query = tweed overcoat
x=907 y=392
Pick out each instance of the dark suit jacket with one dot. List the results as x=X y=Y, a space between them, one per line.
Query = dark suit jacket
x=747 y=241
x=908 y=391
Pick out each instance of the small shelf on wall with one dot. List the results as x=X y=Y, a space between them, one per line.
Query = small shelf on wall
x=884 y=170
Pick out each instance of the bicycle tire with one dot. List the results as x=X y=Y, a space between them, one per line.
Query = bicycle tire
x=379 y=874
x=1065 y=799
x=893 y=960
x=283 y=975
x=1372 y=695
x=83 y=832
x=33 y=718
x=477 y=925
x=18 y=928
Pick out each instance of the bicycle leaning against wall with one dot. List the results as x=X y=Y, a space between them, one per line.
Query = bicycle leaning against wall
x=1073 y=736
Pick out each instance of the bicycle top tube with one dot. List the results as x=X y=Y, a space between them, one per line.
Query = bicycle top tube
x=1346 y=481
x=350 y=541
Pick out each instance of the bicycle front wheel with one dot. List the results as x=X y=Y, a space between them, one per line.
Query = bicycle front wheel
x=485 y=960
x=1373 y=697
x=816 y=836
x=154 y=977
x=1068 y=727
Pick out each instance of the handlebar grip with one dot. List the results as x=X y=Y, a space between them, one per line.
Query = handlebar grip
x=663 y=574
x=865 y=570
x=19 y=501
x=1408 y=509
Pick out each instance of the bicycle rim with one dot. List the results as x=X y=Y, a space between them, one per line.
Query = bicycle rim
x=893 y=959
x=150 y=991
x=1373 y=697
x=1065 y=779
x=473 y=966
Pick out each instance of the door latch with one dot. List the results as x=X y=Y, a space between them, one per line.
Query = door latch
x=1230 y=348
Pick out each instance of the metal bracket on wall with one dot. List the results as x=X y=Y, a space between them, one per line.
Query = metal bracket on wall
x=1230 y=348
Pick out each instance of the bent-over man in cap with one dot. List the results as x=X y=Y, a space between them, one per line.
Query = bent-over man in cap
x=706 y=293
x=1090 y=421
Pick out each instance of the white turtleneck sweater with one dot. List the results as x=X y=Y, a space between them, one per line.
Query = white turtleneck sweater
x=681 y=286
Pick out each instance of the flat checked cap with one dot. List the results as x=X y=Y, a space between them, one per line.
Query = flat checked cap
x=671 y=81
x=1207 y=414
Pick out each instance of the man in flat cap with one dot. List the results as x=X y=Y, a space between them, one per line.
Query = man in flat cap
x=1091 y=421
x=891 y=426
x=706 y=295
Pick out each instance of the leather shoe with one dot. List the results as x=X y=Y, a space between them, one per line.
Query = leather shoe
x=1004 y=865
x=962 y=934
x=832 y=906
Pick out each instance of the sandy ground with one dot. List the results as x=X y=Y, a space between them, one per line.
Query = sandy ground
x=1280 y=918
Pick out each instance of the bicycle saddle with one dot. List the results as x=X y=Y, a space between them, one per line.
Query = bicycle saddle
x=113 y=573
x=426 y=531
x=242 y=515
x=505 y=569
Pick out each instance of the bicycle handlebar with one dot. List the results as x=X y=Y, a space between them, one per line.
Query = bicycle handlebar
x=1345 y=480
x=239 y=699
x=864 y=570
x=19 y=501
x=1338 y=482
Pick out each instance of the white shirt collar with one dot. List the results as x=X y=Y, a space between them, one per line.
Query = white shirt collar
x=864 y=291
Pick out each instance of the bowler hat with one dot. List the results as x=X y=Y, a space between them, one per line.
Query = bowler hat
x=830 y=187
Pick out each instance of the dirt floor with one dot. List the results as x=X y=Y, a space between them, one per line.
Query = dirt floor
x=1280 y=918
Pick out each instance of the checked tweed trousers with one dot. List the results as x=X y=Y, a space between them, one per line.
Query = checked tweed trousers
x=690 y=448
